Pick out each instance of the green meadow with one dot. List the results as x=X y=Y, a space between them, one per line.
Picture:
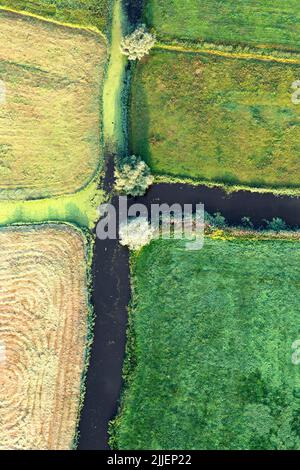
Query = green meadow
x=209 y=349
x=275 y=23
x=217 y=119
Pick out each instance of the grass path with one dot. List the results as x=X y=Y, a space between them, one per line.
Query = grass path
x=224 y=53
x=58 y=12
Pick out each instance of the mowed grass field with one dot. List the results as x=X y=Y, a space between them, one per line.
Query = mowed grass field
x=82 y=12
x=50 y=121
x=217 y=119
x=275 y=23
x=210 y=347
x=43 y=331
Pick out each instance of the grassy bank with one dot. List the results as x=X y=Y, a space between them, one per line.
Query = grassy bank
x=33 y=89
x=114 y=133
x=209 y=360
x=217 y=119
x=79 y=209
x=263 y=23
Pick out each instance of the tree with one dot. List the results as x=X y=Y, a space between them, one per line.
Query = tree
x=216 y=220
x=133 y=176
x=276 y=224
x=137 y=44
x=135 y=233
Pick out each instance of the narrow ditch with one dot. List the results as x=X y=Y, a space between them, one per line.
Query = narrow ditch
x=111 y=294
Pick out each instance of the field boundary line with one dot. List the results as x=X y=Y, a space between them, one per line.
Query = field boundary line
x=72 y=236
x=233 y=54
x=234 y=232
x=89 y=29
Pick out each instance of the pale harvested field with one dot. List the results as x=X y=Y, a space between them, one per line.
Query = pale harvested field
x=43 y=329
x=50 y=123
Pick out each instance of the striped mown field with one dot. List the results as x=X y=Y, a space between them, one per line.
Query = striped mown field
x=43 y=330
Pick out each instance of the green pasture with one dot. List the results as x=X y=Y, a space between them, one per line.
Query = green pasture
x=210 y=345
x=217 y=119
x=275 y=23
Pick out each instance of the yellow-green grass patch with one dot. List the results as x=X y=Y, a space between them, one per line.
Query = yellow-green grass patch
x=79 y=209
x=50 y=123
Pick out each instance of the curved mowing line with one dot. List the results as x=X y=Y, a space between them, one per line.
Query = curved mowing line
x=92 y=29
